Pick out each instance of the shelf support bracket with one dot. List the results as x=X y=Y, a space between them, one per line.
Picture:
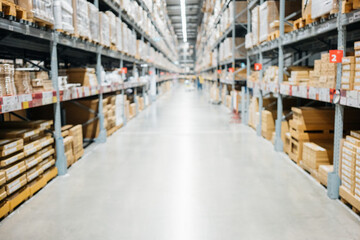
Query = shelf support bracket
x=102 y=133
x=61 y=162
x=333 y=177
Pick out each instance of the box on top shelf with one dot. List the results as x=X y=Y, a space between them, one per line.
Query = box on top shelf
x=323 y=7
x=63 y=15
x=85 y=76
x=38 y=10
x=240 y=6
x=104 y=27
x=112 y=26
x=81 y=19
x=255 y=24
x=94 y=30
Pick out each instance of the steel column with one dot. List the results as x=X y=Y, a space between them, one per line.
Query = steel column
x=278 y=141
x=333 y=177
x=258 y=128
x=61 y=162
x=102 y=132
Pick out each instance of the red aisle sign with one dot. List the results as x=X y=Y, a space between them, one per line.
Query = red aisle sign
x=258 y=66
x=336 y=56
x=231 y=70
x=124 y=70
x=161 y=73
x=218 y=71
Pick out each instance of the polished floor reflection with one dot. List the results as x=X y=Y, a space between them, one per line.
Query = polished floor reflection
x=182 y=170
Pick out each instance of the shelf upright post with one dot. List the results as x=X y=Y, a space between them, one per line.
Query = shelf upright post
x=135 y=88
x=102 y=133
x=61 y=162
x=333 y=177
x=278 y=141
x=233 y=51
x=123 y=78
x=258 y=128
x=248 y=69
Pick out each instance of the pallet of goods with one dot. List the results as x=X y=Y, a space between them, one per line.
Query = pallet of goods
x=309 y=125
x=315 y=155
x=39 y=12
x=350 y=171
x=27 y=152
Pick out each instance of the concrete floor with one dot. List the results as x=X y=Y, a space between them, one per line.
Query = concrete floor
x=182 y=171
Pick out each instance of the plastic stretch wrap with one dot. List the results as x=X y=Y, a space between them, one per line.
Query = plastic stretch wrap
x=119 y=34
x=269 y=12
x=81 y=18
x=124 y=34
x=240 y=6
x=7 y=85
x=112 y=26
x=39 y=9
x=104 y=29
x=321 y=7
x=255 y=24
x=63 y=14
x=94 y=22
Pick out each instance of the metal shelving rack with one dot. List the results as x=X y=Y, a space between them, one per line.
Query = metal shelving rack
x=47 y=42
x=232 y=30
x=335 y=27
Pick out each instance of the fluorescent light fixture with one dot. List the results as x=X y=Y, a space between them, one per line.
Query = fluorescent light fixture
x=183 y=20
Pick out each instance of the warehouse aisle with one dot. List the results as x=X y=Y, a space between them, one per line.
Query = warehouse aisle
x=182 y=171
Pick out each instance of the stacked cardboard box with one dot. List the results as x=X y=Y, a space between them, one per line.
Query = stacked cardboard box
x=63 y=15
x=310 y=125
x=357 y=66
x=26 y=160
x=315 y=155
x=267 y=124
x=299 y=75
x=324 y=73
x=38 y=10
x=323 y=173
x=348 y=73
x=350 y=170
x=85 y=76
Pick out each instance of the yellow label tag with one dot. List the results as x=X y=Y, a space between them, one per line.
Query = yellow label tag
x=25 y=105
x=54 y=99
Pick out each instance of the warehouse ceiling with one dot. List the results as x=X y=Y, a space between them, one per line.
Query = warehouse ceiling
x=193 y=19
x=193 y=12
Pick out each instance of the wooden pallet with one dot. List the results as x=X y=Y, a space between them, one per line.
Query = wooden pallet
x=12 y=11
x=36 y=185
x=4 y=209
x=274 y=35
x=350 y=200
x=302 y=132
x=312 y=172
x=40 y=22
x=19 y=197
x=299 y=23
x=65 y=32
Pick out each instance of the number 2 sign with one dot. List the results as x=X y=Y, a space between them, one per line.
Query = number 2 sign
x=257 y=66
x=336 y=56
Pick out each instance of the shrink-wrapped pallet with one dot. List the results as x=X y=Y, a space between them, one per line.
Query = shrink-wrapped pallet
x=255 y=24
x=104 y=29
x=93 y=13
x=112 y=26
x=81 y=18
x=322 y=7
x=269 y=12
x=241 y=6
x=63 y=15
x=124 y=30
x=119 y=38
x=39 y=10
x=7 y=85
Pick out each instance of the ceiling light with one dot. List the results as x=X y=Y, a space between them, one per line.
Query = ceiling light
x=183 y=19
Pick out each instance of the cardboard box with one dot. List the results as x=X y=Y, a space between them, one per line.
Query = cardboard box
x=2 y=177
x=322 y=7
x=85 y=76
x=255 y=24
x=18 y=133
x=11 y=159
x=6 y=144
x=36 y=124
x=47 y=163
x=3 y=194
x=34 y=173
x=16 y=184
x=15 y=170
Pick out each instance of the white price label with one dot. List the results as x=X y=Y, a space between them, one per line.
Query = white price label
x=352 y=102
x=313 y=92
x=11 y=107
x=284 y=89
x=324 y=27
x=86 y=91
x=9 y=100
x=324 y=94
x=295 y=91
x=25 y=98
x=93 y=91
x=303 y=91
x=80 y=92
x=47 y=97
x=74 y=93
x=66 y=95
